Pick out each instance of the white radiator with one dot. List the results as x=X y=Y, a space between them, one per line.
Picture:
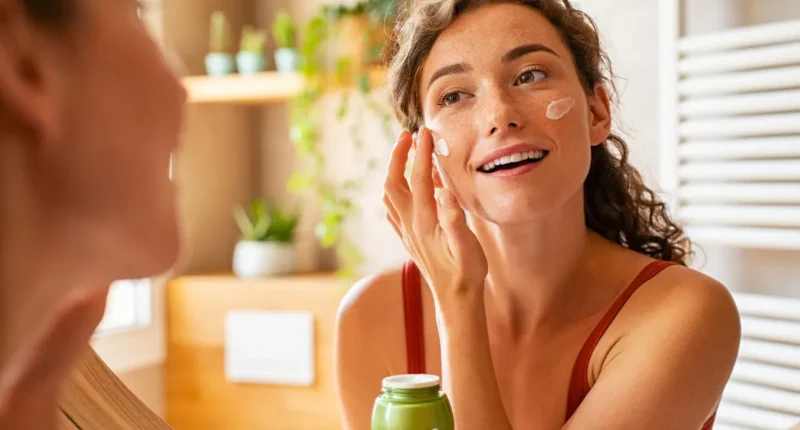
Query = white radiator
x=764 y=390
x=730 y=131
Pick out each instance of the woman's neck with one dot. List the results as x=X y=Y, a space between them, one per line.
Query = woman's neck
x=538 y=269
x=37 y=270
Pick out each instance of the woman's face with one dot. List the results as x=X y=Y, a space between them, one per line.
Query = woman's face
x=106 y=118
x=485 y=90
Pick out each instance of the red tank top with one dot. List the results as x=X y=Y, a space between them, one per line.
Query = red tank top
x=579 y=380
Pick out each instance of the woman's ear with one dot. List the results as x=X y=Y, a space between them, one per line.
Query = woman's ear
x=27 y=87
x=599 y=115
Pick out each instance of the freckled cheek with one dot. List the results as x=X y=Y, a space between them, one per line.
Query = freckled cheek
x=453 y=137
x=566 y=129
x=571 y=132
x=453 y=167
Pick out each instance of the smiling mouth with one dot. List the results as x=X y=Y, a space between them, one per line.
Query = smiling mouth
x=512 y=161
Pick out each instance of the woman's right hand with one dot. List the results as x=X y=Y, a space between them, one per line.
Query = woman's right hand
x=437 y=236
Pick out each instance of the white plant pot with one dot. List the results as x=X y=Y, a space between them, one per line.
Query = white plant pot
x=286 y=60
x=260 y=259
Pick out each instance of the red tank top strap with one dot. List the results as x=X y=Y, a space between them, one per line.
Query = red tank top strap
x=413 y=318
x=579 y=381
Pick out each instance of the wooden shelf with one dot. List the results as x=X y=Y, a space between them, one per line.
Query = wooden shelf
x=267 y=87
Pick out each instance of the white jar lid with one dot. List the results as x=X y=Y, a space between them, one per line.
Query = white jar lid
x=408 y=382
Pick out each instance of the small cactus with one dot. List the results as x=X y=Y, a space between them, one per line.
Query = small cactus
x=219 y=32
x=283 y=29
x=253 y=40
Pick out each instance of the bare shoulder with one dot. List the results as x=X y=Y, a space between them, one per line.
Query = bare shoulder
x=680 y=332
x=370 y=316
x=694 y=311
x=368 y=332
x=371 y=297
x=682 y=296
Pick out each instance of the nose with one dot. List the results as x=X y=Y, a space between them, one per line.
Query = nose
x=501 y=113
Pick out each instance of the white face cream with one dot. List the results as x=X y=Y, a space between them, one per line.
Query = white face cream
x=442 y=174
x=557 y=109
x=441 y=147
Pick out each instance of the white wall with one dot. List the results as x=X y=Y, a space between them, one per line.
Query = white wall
x=629 y=28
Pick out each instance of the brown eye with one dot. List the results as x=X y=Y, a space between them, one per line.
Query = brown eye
x=452 y=98
x=530 y=76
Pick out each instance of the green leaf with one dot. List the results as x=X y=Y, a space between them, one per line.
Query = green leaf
x=352 y=185
x=258 y=209
x=342 y=69
x=375 y=53
x=346 y=273
x=308 y=67
x=299 y=182
x=332 y=218
x=243 y=222
x=350 y=258
x=305 y=148
x=328 y=234
x=342 y=111
x=363 y=83
x=283 y=30
x=281 y=229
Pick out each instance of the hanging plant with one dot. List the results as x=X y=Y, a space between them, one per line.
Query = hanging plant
x=347 y=69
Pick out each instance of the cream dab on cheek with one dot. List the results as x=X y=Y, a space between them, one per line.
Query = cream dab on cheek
x=441 y=147
x=439 y=144
x=559 y=108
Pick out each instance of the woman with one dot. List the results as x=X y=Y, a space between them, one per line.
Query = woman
x=90 y=115
x=566 y=302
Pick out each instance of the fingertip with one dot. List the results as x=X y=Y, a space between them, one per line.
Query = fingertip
x=424 y=142
x=402 y=145
x=404 y=136
x=426 y=134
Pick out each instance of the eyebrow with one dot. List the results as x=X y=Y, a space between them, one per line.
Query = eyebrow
x=521 y=51
x=452 y=69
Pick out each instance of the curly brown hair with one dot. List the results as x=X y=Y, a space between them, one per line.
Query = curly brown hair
x=617 y=203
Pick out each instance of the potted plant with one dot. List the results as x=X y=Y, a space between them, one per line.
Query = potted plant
x=350 y=68
x=361 y=35
x=283 y=29
x=266 y=246
x=218 y=61
x=251 y=59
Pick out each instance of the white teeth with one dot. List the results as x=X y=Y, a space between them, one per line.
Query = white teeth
x=514 y=158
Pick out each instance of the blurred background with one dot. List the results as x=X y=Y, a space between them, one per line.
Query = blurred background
x=280 y=173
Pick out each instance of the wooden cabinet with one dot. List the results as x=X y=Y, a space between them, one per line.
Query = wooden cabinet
x=198 y=397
